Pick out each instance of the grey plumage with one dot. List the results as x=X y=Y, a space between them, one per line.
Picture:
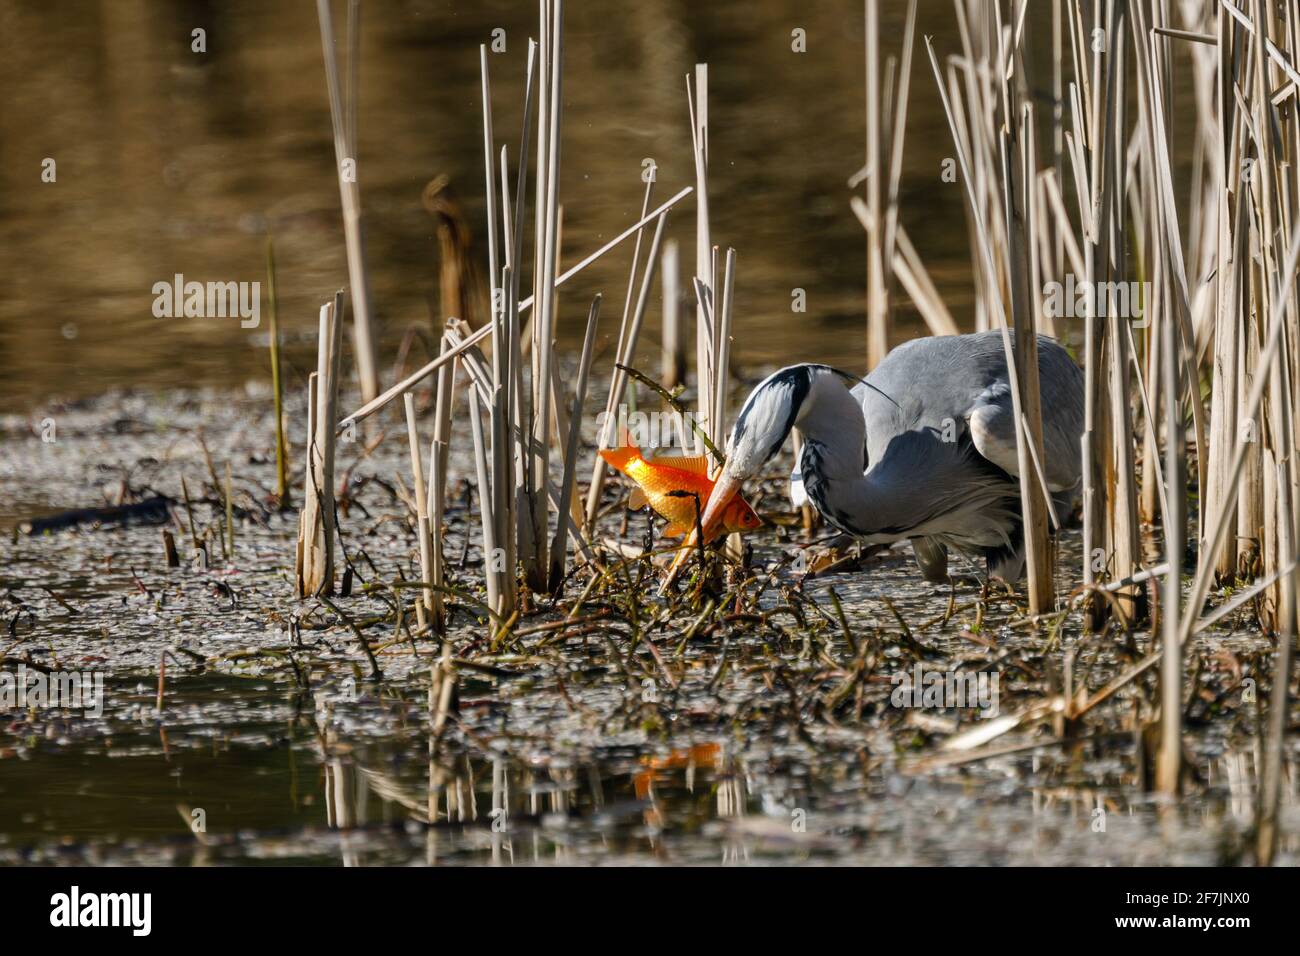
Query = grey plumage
x=924 y=448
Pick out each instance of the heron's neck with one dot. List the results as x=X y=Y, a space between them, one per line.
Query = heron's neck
x=833 y=461
x=856 y=503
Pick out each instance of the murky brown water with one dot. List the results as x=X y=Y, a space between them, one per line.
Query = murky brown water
x=173 y=162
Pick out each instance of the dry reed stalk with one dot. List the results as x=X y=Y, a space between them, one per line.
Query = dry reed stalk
x=1121 y=485
x=414 y=379
x=504 y=424
x=596 y=486
x=912 y=275
x=1034 y=499
x=345 y=158
x=1033 y=504
x=277 y=385
x=571 y=445
x=514 y=488
x=309 y=516
x=503 y=400
x=533 y=545
x=490 y=191
x=735 y=546
x=316 y=528
x=897 y=135
x=697 y=103
x=722 y=349
x=877 y=296
x=618 y=381
x=1170 y=755
x=424 y=602
x=230 y=517
x=437 y=490
x=674 y=351
x=493 y=563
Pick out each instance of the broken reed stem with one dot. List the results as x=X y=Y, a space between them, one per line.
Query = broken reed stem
x=316 y=524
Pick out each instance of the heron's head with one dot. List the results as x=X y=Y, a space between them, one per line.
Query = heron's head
x=765 y=420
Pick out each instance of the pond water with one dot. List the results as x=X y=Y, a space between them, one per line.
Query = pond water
x=170 y=162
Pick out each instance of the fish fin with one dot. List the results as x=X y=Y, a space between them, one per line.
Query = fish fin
x=675 y=530
x=636 y=500
x=620 y=458
x=694 y=464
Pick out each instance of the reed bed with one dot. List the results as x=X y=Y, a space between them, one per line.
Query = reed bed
x=1187 y=325
x=1186 y=329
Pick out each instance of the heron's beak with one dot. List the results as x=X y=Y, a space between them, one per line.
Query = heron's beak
x=724 y=490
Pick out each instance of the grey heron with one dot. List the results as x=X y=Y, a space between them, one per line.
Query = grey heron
x=923 y=448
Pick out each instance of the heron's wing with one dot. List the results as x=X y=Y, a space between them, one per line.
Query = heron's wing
x=993 y=427
x=937 y=382
x=993 y=423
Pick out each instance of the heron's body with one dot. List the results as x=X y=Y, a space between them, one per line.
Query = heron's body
x=924 y=449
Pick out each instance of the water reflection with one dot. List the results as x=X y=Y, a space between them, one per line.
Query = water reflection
x=172 y=162
x=353 y=784
x=699 y=804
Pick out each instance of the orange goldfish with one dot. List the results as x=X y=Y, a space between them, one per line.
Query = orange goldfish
x=657 y=479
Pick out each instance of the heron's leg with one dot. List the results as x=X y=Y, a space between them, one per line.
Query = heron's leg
x=932 y=557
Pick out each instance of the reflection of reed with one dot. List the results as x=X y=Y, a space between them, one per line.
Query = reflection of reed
x=345 y=794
